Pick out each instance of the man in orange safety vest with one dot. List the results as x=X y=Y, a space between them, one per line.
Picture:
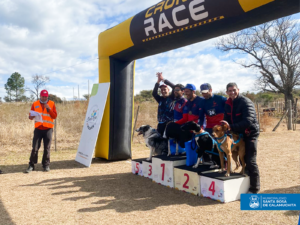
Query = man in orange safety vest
x=43 y=130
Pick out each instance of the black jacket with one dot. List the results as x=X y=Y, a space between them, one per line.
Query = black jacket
x=164 y=112
x=241 y=116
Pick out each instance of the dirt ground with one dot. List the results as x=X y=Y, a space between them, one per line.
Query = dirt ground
x=107 y=193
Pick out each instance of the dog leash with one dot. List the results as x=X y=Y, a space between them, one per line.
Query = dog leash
x=214 y=142
x=198 y=135
x=237 y=141
x=193 y=141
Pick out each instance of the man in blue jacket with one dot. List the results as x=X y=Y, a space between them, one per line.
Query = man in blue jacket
x=241 y=116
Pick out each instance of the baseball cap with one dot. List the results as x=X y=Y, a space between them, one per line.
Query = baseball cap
x=205 y=87
x=191 y=87
x=163 y=85
x=44 y=93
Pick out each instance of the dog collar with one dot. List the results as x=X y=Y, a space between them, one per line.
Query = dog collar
x=225 y=136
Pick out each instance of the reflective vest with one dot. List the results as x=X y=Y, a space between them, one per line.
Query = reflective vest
x=47 y=120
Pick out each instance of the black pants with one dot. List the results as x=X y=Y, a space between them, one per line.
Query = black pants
x=46 y=135
x=251 y=165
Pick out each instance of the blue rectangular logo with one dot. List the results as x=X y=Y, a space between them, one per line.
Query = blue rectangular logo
x=270 y=201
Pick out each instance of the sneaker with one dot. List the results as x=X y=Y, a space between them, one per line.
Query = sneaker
x=47 y=169
x=30 y=168
x=252 y=192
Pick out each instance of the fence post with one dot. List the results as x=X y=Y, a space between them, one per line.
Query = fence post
x=295 y=115
x=280 y=120
x=258 y=116
x=290 y=115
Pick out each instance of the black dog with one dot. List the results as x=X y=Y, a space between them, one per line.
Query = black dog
x=174 y=131
x=205 y=144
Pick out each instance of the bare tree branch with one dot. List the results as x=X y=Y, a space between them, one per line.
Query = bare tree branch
x=275 y=50
x=38 y=82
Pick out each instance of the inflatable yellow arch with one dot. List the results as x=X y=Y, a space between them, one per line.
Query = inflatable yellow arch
x=165 y=26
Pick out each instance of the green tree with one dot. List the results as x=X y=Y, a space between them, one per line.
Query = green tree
x=220 y=92
x=54 y=98
x=86 y=96
x=145 y=95
x=249 y=95
x=15 y=88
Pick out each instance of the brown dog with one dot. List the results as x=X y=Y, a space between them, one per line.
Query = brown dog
x=225 y=145
x=238 y=149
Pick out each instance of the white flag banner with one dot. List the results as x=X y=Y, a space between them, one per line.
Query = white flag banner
x=92 y=124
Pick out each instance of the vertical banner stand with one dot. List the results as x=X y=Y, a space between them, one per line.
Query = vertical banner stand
x=92 y=124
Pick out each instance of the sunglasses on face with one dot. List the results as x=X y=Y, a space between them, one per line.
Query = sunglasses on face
x=177 y=90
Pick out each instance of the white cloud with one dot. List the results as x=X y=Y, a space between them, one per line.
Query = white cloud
x=196 y=69
x=59 y=38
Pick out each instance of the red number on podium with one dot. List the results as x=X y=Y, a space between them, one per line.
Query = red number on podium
x=137 y=167
x=187 y=180
x=150 y=170
x=163 y=172
x=212 y=188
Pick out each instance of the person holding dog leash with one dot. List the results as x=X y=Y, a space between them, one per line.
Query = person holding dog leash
x=190 y=112
x=212 y=108
x=43 y=130
x=241 y=117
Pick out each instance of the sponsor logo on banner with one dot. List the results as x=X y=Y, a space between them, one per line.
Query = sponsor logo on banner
x=270 y=202
x=170 y=17
x=92 y=118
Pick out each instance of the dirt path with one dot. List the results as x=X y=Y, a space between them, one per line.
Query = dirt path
x=107 y=193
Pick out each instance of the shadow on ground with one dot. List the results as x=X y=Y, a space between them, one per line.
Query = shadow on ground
x=4 y=215
x=54 y=165
x=289 y=190
x=122 y=192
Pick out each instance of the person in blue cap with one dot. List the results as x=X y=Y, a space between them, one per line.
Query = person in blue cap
x=192 y=108
x=212 y=108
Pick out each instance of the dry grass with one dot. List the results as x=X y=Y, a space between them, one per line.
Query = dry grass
x=107 y=193
x=16 y=130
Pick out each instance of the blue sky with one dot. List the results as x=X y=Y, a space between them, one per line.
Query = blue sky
x=59 y=40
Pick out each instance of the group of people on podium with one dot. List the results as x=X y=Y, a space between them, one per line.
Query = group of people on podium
x=182 y=105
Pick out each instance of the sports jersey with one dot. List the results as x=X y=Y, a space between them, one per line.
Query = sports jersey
x=191 y=111
x=213 y=109
x=178 y=106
